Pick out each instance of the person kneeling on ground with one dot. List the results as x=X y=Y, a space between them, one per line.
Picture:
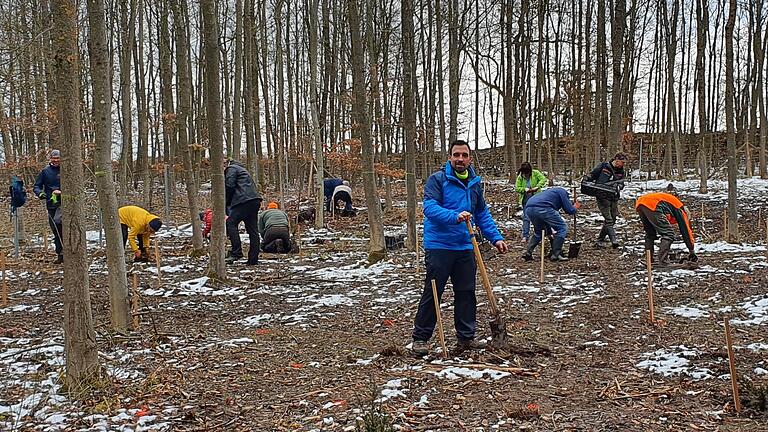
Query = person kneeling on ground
x=543 y=210
x=343 y=192
x=659 y=211
x=273 y=228
x=137 y=225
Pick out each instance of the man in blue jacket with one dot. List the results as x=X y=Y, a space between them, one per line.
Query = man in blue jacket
x=543 y=210
x=48 y=188
x=452 y=196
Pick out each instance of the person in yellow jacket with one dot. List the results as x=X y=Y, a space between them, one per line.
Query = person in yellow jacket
x=659 y=211
x=137 y=225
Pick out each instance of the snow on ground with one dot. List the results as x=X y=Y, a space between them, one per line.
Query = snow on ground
x=677 y=360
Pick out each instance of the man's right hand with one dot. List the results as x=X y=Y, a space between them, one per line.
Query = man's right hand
x=464 y=216
x=577 y=204
x=137 y=255
x=56 y=192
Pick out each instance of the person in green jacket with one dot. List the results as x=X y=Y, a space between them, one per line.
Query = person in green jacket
x=529 y=183
x=273 y=227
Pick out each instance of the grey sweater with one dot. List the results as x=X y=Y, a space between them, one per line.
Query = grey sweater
x=271 y=218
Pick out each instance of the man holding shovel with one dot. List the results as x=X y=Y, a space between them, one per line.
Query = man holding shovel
x=452 y=196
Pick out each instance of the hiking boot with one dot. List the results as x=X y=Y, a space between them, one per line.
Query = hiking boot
x=558 y=257
x=616 y=245
x=601 y=244
x=59 y=259
x=527 y=257
x=231 y=259
x=470 y=344
x=420 y=348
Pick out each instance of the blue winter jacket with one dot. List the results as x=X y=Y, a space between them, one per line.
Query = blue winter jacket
x=554 y=198
x=329 y=185
x=47 y=181
x=445 y=196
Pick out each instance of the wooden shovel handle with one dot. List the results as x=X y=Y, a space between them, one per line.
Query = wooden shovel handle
x=483 y=273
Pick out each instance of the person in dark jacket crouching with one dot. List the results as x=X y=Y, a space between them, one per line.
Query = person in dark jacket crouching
x=243 y=202
x=273 y=227
x=451 y=197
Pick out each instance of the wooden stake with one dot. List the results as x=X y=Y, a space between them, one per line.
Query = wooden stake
x=541 y=274
x=5 y=282
x=701 y=215
x=135 y=301
x=440 y=332
x=298 y=240
x=650 y=285
x=45 y=243
x=732 y=365
x=157 y=261
x=766 y=233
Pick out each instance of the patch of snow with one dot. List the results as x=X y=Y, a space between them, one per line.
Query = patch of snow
x=454 y=373
x=674 y=363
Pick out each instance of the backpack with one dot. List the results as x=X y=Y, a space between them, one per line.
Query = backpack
x=18 y=193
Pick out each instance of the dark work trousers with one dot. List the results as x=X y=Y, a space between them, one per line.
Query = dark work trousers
x=56 y=228
x=656 y=225
x=461 y=267
x=279 y=232
x=247 y=212
x=139 y=238
x=340 y=196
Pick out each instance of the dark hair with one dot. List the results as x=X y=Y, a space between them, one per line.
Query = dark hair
x=525 y=169
x=457 y=143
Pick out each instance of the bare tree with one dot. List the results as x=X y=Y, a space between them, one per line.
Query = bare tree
x=733 y=225
x=82 y=360
x=409 y=117
x=216 y=266
x=362 y=130
x=101 y=74
x=312 y=30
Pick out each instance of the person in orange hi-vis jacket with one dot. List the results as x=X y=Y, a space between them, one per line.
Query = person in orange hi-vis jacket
x=659 y=211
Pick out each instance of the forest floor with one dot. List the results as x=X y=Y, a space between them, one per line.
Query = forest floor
x=317 y=341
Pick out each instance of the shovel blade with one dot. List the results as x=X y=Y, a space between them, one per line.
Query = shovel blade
x=499 y=333
x=573 y=250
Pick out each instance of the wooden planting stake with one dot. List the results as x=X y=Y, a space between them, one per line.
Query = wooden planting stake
x=298 y=240
x=45 y=243
x=701 y=215
x=5 y=282
x=157 y=261
x=135 y=301
x=732 y=365
x=650 y=285
x=440 y=333
x=541 y=274
x=766 y=233
x=507 y=211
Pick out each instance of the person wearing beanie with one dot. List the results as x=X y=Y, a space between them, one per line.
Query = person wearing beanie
x=137 y=225
x=609 y=172
x=342 y=192
x=273 y=228
x=48 y=188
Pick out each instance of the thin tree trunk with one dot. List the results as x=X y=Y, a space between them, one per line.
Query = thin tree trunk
x=101 y=72
x=313 y=102
x=237 y=98
x=733 y=226
x=409 y=118
x=82 y=360
x=702 y=25
x=362 y=130
x=216 y=267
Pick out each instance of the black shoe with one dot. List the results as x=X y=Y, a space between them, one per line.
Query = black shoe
x=527 y=257
x=279 y=248
x=470 y=344
x=59 y=259
x=231 y=259
x=615 y=245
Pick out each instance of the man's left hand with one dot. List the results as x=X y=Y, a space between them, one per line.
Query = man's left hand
x=501 y=247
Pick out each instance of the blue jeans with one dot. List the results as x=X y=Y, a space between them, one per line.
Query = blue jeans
x=526 y=225
x=543 y=218
x=460 y=266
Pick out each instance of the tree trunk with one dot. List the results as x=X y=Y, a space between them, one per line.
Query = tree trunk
x=237 y=98
x=409 y=118
x=362 y=130
x=313 y=102
x=453 y=69
x=128 y=25
x=733 y=226
x=702 y=26
x=182 y=122
x=101 y=72
x=618 y=25
x=82 y=360
x=216 y=267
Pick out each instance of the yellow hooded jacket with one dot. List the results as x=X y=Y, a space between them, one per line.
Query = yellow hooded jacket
x=137 y=220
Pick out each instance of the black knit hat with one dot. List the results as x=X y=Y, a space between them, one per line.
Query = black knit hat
x=155 y=224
